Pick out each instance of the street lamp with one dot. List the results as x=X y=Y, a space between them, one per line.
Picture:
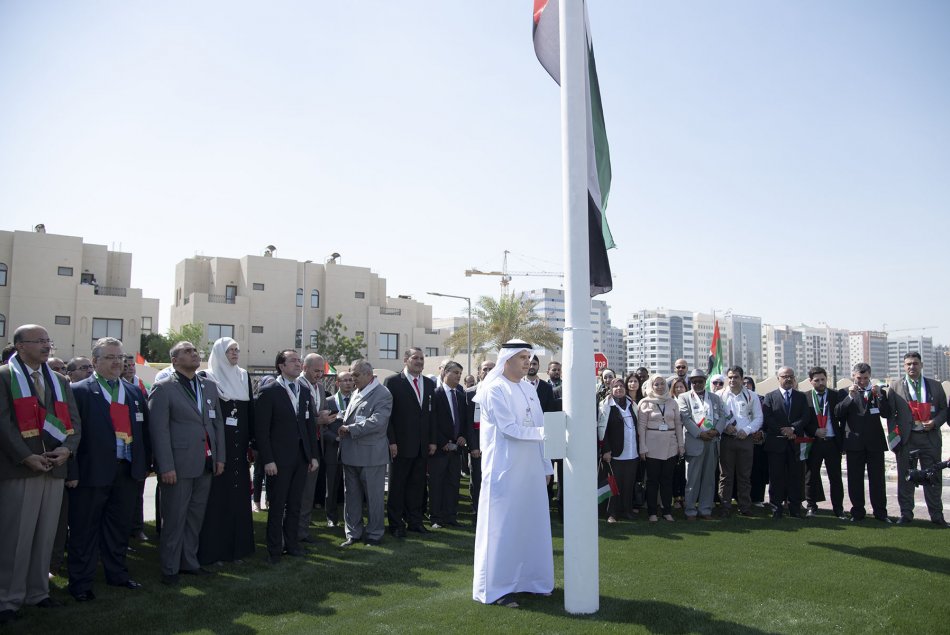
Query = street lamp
x=469 y=300
x=303 y=305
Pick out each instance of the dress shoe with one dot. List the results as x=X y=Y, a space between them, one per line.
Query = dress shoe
x=198 y=571
x=308 y=539
x=273 y=560
x=668 y=517
x=706 y=516
x=398 y=532
x=349 y=542
x=745 y=512
x=885 y=519
x=85 y=596
x=128 y=584
x=419 y=529
x=140 y=536
x=904 y=520
x=331 y=524
x=939 y=522
x=373 y=543
x=777 y=514
x=652 y=519
x=257 y=507
x=8 y=615
x=296 y=553
x=436 y=526
x=48 y=603
x=811 y=513
x=690 y=519
x=171 y=579
x=611 y=519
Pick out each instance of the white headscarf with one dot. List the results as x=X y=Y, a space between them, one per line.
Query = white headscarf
x=231 y=380
x=508 y=350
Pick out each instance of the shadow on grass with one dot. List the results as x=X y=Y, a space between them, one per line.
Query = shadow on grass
x=652 y=615
x=894 y=555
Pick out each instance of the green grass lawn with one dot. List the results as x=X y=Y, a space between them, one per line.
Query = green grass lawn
x=744 y=575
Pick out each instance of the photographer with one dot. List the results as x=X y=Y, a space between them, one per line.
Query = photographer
x=919 y=407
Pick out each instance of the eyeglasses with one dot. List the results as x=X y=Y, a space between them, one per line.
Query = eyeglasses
x=44 y=342
x=717 y=383
x=113 y=358
x=680 y=368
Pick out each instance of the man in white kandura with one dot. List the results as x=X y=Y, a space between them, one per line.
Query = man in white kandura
x=513 y=551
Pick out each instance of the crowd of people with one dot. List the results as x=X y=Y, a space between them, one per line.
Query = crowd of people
x=78 y=439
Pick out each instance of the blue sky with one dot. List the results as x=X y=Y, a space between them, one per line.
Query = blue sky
x=781 y=159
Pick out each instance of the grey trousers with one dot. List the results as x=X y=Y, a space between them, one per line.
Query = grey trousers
x=29 y=515
x=928 y=455
x=701 y=480
x=306 y=504
x=369 y=484
x=183 y=510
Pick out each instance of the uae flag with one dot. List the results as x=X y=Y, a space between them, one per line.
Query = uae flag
x=715 y=357
x=893 y=437
x=547 y=48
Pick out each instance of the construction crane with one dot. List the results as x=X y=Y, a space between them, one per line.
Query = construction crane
x=917 y=328
x=506 y=275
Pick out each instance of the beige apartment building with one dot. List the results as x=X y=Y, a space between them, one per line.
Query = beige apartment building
x=268 y=303
x=78 y=291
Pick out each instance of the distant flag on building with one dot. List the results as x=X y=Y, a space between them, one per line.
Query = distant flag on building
x=715 y=357
x=547 y=48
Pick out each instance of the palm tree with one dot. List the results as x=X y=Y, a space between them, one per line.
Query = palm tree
x=494 y=322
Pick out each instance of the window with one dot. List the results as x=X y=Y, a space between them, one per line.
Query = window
x=359 y=334
x=257 y=329
x=359 y=295
x=146 y=324
x=86 y=278
x=258 y=286
x=64 y=271
x=106 y=327
x=388 y=346
x=432 y=352
x=297 y=337
x=62 y=320
x=314 y=299
x=3 y=274
x=3 y=325
x=217 y=331
x=313 y=340
x=299 y=297
x=230 y=292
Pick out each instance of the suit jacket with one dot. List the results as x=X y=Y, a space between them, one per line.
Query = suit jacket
x=442 y=413
x=545 y=396
x=472 y=432
x=177 y=428
x=367 y=419
x=898 y=395
x=14 y=449
x=613 y=427
x=717 y=412
x=95 y=462
x=411 y=426
x=834 y=397
x=801 y=417
x=280 y=430
x=863 y=430
x=334 y=405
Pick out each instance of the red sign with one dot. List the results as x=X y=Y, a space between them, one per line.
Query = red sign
x=600 y=363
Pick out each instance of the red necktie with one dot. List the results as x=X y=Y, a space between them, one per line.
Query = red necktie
x=415 y=383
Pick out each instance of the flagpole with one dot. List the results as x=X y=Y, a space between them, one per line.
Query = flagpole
x=581 y=566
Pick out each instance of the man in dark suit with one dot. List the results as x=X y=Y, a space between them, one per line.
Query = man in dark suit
x=312 y=379
x=287 y=442
x=787 y=417
x=330 y=445
x=411 y=441
x=826 y=446
x=103 y=480
x=187 y=435
x=472 y=435
x=919 y=408
x=544 y=389
x=445 y=466
x=860 y=412
x=39 y=430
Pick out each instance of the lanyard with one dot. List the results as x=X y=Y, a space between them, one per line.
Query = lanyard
x=920 y=396
x=821 y=405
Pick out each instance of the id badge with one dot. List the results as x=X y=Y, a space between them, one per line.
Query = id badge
x=139 y=417
x=230 y=421
x=664 y=427
x=359 y=419
x=875 y=411
x=211 y=414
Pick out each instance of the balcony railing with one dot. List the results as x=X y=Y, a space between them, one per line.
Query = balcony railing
x=113 y=291
x=432 y=331
x=387 y=311
x=220 y=299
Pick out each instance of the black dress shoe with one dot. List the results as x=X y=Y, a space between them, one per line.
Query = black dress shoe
x=296 y=553
x=171 y=579
x=373 y=543
x=419 y=529
x=128 y=584
x=8 y=615
x=398 y=532
x=349 y=542
x=85 y=596
x=48 y=603
x=939 y=522
x=198 y=571
x=777 y=514
x=904 y=520
x=308 y=539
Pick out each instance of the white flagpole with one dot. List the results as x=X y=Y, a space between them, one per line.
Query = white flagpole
x=581 y=566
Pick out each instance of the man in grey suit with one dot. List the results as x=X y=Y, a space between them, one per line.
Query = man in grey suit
x=364 y=452
x=704 y=418
x=187 y=435
x=918 y=408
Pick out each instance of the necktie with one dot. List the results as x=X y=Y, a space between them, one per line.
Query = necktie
x=113 y=384
x=293 y=388
x=788 y=403
x=455 y=414
x=415 y=384
x=40 y=389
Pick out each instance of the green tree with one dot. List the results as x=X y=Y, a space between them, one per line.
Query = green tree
x=494 y=322
x=155 y=347
x=331 y=342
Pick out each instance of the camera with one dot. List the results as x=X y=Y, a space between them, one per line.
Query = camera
x=928 y=475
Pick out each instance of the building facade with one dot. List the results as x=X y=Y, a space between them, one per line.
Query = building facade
x=869 y=347
x=268 y=304
x=828 y=348
x=941 y=371
x=897 y=347
x=743 y=342
x=656 y=338
x=782 y=346
x=78 y=291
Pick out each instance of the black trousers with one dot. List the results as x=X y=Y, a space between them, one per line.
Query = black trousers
x=785 y=478
x=445 y=475
x=475 y=481
x=100 y=521
x=873 y=461
x=407 y=487
x=284 y=491
x=760 y=473
x=824 y=451
x=660 y=477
